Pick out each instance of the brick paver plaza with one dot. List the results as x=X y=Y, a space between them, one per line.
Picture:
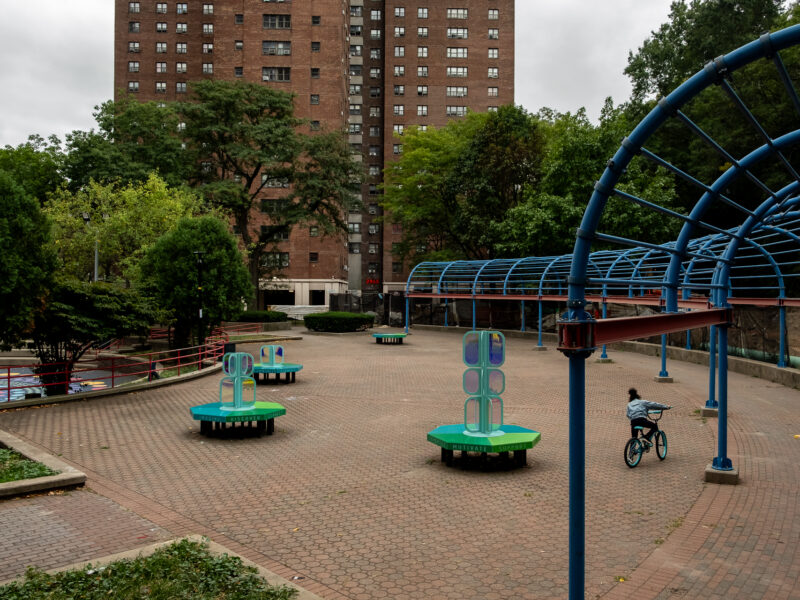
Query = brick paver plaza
x=349 y=495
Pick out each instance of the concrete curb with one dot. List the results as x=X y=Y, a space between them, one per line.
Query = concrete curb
x=213 y=547
x=67 y=477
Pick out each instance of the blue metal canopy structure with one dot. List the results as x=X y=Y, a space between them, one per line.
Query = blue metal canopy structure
x=707 y=269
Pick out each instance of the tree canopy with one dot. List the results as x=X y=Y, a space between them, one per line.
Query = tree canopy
x=35 y=165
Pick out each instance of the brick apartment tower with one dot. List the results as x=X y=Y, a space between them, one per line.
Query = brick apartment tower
x=368 y=67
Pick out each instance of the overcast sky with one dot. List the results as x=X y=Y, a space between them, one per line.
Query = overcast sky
x=56 y=58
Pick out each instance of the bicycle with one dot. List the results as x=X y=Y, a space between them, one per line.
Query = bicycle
x=637 y=445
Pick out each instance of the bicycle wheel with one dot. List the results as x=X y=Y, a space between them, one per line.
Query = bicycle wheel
x=633 y=452
x=661 y=445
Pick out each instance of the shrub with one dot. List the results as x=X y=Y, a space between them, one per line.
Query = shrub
x=338 y=322
x=263 y=316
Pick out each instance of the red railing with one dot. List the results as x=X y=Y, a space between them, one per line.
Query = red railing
x=239 y=328
x=103 y=372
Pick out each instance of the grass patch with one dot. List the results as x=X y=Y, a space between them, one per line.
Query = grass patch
x=189 y=368
x=184 y=570
x=14 y=467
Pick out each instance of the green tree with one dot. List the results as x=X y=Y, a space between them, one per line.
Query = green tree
x=125 y=220
x=251 y=156
x=35 y=165
x=133 y=140
x=75 y=316
x=171 y=275
x=28 y=261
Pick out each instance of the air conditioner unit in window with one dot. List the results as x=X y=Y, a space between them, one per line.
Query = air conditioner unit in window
x=373 y=251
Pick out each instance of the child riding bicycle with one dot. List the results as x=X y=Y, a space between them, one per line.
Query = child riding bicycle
x=637 y=413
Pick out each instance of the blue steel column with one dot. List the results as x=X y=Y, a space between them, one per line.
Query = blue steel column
x=473 y=314
x=663 y=372
x=712 y=363
x=522 y=309
x=540 y=323
x=577 y=476
x=445 y=312
x=605 y=313
x=406 y=314
x=721 y=462
x=782 y=335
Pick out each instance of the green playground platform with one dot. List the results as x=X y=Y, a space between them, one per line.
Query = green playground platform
x=261 y=416
x=514 y=439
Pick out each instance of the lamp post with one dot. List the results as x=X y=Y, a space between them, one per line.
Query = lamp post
x=199 y=260
x=87 y=220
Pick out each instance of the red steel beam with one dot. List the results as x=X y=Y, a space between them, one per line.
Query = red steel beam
x=632 y=328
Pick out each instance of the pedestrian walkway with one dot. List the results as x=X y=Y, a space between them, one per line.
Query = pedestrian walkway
x=350 y=497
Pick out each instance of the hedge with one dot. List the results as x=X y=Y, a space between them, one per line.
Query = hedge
x=338 y=322
x=262 y=316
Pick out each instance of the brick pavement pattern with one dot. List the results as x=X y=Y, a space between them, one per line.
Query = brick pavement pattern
x=349 y=495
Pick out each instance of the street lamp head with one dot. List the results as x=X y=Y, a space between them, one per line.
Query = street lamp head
x=85 y=216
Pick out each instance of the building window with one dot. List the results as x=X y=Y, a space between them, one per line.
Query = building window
x=422 y=127
x=354 y=248
x=397 y=148
x=208 y=48
x=374 y=92
x=134 y=27
x=373 y=228
x=180 y=67
x=276 y=74
x=374 y=111
x=491 y=109
x=422 y=110
x=399 y=32
x=422 y=52
x=374 y=151
x=494 y=53
x=180 y=48
x=316 y=19
x=180 y=87
x=399 y=110
x=456 y=71
x=422 y=32
x=238 y=45
x=354 y=228
x=457 y=33
x=208 y=29
x=397 y=267
x=399 y=90
x=456 y=53
x=372 y=248
x=422 y=71
x=208 y=68
x=208 y=9
x=161 y=87
x=399 y=12
x=372 y=209
x=277 y=21
x=422 y=13
x=182 y=8
x=457 y=13
x=181 y=28
x=133 y=86
x=313 y=257
x=313 y=231
x=355 y=109
x=456 y=111
x=422 y=90
x=161 y=67
x=494 y=14
x=375 y=15
x=398 y=129
x=314 y=72
x=492 y=92
x=375 y=53
x=134 y=7
x=275 y=260
x=276 y=48
x=354 y=129
x=374 y=131
x=133 y=47
x=356 y=30
x=161 y=47
x=274 y=182
x=399 y=70
x=355 y=89
x=374 y=34
x=314 y=99
x=493 y=72
x=315 y=46
x=374 y=73
x=372 y=268
x=456 y=91
x=238 y=71
x=238 y=19
x=356 y=11
x=373 y=189
x=314 y=126
x=494 y=34
x=356 y=50
x=133 y=66
x=399 y=51
x=356 y=70
x=374 y=171
x=161 y=28
x=161 y=8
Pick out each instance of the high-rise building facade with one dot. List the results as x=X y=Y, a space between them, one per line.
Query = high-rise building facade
x=372 y=68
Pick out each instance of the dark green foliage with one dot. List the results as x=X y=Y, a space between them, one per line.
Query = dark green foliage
x=262 y=316
x=170 y=275
x=77 y=315
x=182 y=571
x=14 y=467
x=35 y=165
x=27 y=260
x=338 y=322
